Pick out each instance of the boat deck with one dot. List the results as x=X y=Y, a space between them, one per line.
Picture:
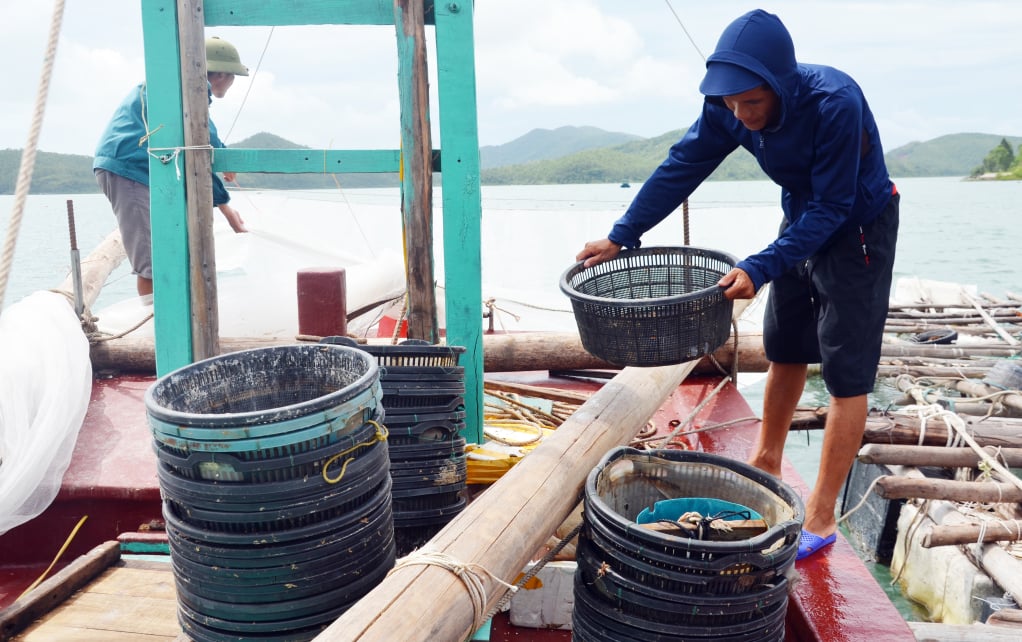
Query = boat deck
x=112 y=480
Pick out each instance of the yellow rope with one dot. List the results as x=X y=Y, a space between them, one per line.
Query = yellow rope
x=379 y=436
x=67 y=542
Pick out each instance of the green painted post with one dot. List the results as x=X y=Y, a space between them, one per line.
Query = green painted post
x=168 y=210
x=462 y=199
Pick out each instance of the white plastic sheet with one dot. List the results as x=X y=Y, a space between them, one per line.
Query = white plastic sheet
x=45 y=385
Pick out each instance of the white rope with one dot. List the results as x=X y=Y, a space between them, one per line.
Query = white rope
x=29 y=153
x=470 y=575
x=957 y=425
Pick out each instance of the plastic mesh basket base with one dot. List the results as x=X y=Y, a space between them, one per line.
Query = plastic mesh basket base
x=651 y=306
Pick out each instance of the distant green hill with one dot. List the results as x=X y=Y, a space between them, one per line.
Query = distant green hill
x=951 y=155
x=543 y=144
x=633 y=161
x=52 y=174
x=630 y=160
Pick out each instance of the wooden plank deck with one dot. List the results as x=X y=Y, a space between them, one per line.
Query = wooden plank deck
x=133 y=600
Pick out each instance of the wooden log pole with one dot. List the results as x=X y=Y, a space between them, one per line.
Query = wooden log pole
x=416 y=170
x=1006 y=617
x=514 y=352
x=903 y=455
x=904 y=429
x=1009 y=399
x=198 y=170
x=503 y=529
x=939 y=632
x=988 y=531
x=894 y=487
x=947 y=351
x=999 y=564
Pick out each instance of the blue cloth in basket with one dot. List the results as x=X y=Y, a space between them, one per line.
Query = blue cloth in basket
x=672 y=509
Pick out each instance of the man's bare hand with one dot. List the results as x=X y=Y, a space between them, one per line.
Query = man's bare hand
x=737 y=284
x=596 y=252
x=233 y=218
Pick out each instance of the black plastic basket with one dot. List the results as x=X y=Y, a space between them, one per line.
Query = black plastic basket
x=652 y=306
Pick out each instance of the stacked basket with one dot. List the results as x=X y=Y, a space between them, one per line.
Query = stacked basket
x=424 y=401
x=634 y=583
x=274 y=469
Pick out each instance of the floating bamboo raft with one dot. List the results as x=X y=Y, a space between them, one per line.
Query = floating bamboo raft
x=946 y=450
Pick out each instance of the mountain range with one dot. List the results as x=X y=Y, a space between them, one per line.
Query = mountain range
x=542 y=156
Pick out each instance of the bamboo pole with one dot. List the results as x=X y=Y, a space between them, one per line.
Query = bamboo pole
x=1003 y=568
x=986 y=531
x=1010 y=340
x=903 y=429
x=946 y=351
x=934 y=455
x=500 y=531
x=894 y=487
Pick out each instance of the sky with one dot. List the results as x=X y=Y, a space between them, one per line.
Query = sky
x=928 y=68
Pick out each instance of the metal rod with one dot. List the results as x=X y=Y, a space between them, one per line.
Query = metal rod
x=76 y=263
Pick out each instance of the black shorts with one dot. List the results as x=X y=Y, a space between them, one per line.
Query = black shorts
x=831 y=309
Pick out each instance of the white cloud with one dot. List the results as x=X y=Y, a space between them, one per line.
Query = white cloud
x=928 y=68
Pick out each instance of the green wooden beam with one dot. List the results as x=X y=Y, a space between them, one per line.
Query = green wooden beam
x=241 y=13
x=462 y=199
x=168 y=209
x=311 y=161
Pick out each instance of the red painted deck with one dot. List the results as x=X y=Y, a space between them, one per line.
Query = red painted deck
x=113 y=481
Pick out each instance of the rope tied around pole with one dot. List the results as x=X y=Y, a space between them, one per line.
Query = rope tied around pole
x=470 y=574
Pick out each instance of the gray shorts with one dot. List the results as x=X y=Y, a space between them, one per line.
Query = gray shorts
x=130 y=202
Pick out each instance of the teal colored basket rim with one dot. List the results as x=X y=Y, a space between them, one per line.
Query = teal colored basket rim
x=370 y=398
x=567 y=278
x=364 y=380
x=333 y=430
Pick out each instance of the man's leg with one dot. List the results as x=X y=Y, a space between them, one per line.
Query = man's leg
x=784 y=385
x=143 y=285
x=842 y=437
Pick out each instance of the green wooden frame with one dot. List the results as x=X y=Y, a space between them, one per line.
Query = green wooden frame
x=458 y=154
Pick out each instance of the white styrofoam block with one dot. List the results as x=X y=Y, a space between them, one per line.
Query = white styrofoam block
x=549 y=605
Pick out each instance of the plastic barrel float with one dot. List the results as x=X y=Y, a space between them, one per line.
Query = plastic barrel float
x=274 y=471
x=634 y=582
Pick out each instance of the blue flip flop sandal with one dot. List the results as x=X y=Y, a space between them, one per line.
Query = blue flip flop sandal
x=810 y=543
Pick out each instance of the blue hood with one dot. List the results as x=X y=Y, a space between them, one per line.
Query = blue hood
x=759 y=43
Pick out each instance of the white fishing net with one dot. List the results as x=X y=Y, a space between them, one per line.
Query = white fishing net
x=45 y=385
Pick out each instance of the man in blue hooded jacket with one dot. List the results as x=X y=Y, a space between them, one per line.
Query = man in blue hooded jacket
x=812 y=132
x=121 y=162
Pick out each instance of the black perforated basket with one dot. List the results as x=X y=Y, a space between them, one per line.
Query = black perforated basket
x=651 y=306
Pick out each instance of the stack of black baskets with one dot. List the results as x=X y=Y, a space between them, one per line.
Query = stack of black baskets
x=274 y=469
x=424 y=404
x=634 y=583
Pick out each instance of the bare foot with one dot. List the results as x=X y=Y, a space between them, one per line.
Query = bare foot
x=768 y=469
